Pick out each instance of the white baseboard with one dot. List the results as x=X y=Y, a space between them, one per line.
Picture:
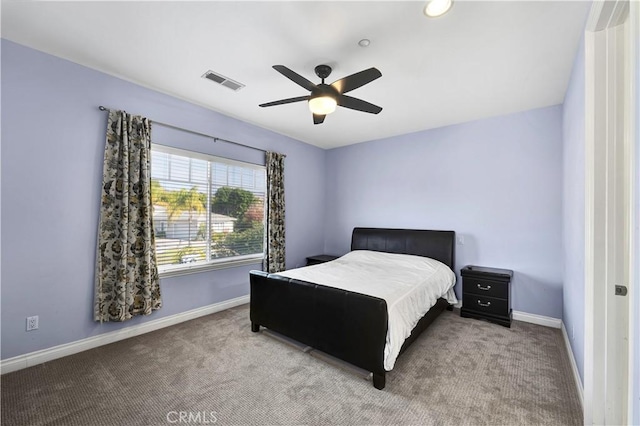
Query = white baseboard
x=531 y=318
x=574 y=366
x=38 y=357
x=537 y=319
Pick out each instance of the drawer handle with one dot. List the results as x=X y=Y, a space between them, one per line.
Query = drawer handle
x=484 y=288
x=486 y=305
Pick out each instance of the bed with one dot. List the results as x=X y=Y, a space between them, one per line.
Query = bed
x=348 y=325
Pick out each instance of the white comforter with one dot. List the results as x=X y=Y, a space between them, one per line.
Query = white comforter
x=409 y=284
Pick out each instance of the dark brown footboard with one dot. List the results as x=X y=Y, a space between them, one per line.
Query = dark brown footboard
x=349 y=326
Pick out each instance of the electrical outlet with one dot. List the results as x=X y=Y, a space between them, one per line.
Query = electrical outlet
x=573 y=332
x=32 y=323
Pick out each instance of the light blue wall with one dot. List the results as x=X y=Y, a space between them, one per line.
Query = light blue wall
x=52 y=148
x=496 y=182
x=573 y=207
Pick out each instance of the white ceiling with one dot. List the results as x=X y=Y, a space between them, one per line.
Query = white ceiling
x=482 y=59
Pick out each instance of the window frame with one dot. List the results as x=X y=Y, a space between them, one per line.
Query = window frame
x=165 y=271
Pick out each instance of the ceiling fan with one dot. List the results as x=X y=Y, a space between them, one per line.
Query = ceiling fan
x=324 y=98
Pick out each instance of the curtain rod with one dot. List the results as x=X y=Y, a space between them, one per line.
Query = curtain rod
x=215 y=139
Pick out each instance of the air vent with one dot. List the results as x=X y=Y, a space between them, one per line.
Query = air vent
x=222 y=80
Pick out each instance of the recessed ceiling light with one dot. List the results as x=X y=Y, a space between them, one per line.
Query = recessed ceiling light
x=364 y=42
x=437 y=8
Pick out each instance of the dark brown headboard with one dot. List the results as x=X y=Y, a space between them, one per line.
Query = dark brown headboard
x=439 y=245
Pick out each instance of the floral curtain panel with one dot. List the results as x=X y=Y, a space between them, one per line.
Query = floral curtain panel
x=275 y=248
x=127 y=281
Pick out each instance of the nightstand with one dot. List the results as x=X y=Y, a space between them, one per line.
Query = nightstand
x=486 y=294
x=320 y=258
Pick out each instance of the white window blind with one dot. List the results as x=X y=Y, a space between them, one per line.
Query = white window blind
x=207 y=210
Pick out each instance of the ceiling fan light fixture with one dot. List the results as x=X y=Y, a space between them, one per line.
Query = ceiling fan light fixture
x=322 y=105
x=435 y=8
x=324 y=98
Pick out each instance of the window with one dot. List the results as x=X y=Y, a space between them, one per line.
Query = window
x=208 y=211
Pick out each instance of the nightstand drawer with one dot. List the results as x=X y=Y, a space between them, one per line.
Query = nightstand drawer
x=485 y=305
x=485 y=288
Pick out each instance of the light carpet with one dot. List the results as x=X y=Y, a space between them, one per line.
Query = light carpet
x=214 y=370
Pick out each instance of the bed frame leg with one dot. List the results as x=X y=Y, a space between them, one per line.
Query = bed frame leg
x=449 y=307
x=255 y=327
x=379 y=380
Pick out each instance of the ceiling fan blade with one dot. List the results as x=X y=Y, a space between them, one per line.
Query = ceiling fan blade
x=285 y=101
x=358 y=104
x=318 y=118
x=356 y=80
x=295 y=77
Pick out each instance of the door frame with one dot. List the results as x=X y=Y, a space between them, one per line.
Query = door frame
x=634 y=279
x=604 y=16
